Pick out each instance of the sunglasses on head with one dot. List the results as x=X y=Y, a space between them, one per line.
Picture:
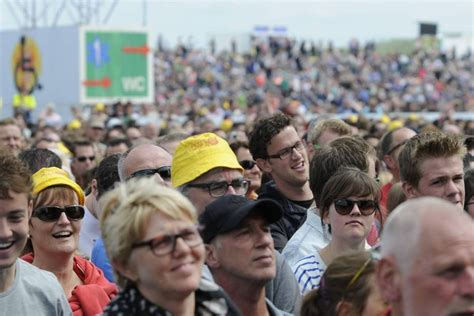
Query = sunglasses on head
x=345 y=206
x=164 y=172
x=247 y=164
x=84 y=158
x=52 y=213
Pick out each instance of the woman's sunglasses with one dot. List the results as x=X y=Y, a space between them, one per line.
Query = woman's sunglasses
x=345 y=206
x=247 y=164
x=52 y=213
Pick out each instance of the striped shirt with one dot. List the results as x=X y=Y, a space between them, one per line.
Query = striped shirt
x=308 y=272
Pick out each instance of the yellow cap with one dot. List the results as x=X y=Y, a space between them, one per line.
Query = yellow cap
x=100 y=106
x=198 y=154
x=226 y=125
x=74 y=124
x=49 y=177
x=394 y=125
x=385 y=119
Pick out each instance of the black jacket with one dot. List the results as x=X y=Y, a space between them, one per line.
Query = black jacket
x=294 y=215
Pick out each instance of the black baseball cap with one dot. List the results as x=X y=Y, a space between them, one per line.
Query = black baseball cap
x=227 y=213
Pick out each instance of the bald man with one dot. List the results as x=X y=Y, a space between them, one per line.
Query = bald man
x=146 y=160
x=427 y=264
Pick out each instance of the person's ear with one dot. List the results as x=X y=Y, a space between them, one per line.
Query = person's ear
x=94 y=190
x=125 y=270
x=409 y=190
x=344 y=308
x=212 y=259
x=264 y=165
x=388 y=279
x=389 y=162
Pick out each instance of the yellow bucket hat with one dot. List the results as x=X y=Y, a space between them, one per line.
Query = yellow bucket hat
x=198 y=154
x=48 y=177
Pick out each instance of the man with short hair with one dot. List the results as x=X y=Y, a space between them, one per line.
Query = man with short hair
x=117 y=146
x=24 y=289
x=321 y=132
x=105 y=177
x=239 y=249
x=205 y=168
x=390 y=146
x=431 y=164
x=11 y=137
x=279 y=151
x=83 y=161
x=38 y=158
x=347 y=151
x=146 y=160
x=427 y=264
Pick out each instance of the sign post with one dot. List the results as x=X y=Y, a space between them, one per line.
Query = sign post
x=115 y=66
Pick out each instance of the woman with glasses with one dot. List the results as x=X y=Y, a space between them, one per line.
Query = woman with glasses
x=54 y=235
x=251 y=170
x=153 y=242
x=348 y=287
x=348 y=205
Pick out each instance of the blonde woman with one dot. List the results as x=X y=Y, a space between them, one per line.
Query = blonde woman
x=153 y=242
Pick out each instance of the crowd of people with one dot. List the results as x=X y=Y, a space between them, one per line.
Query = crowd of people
x=239 y=194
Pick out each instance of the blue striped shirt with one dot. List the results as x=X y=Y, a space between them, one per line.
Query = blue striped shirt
x=308 y=272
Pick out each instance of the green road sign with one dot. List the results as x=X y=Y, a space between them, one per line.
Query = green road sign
x=116 y=65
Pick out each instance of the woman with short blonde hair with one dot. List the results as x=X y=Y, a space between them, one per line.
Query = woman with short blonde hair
x=153 y=242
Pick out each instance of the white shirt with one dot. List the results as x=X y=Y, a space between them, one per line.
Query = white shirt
x=90 y=232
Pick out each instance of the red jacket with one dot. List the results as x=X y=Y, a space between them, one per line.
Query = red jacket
x=91 y=297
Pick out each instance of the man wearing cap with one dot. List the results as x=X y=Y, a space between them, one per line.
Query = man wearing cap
x=205 y=168
x=24 y=289
x=390 y=146
x=146 y=160
x=279 y=151
x=239 y=249
x=84 y=160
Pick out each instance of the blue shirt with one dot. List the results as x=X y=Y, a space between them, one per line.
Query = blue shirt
x=100 y=259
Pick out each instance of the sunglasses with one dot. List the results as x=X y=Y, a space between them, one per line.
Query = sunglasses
x=84 y=158
x=345 y=206
x=247 y=164
x=164 y=172
x=52 y=213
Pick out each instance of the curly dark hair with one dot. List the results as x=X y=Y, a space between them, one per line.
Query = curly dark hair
x=264 y=131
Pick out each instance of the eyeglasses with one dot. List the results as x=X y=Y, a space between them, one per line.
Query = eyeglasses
x=396 y=146
x=164 y=172
x=247 y=164
x=217 y=189
x=345 y=206
x=52 y=213
x=288 y=151
x=166 y=244
x=84 y=158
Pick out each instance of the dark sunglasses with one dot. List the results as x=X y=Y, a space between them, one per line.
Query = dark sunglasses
x=164 y=172
x=247 y=164
x=52 y=213
x=84 y=158
x=345 y=206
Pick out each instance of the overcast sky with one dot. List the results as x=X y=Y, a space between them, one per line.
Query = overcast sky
x=319 y=20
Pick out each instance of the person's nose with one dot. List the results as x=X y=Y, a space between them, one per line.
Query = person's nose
x=466 y=284
x=264 y=238
x=355 y=210
x=63 y=219
x=5 y=231
x=180 y=247
x=230 y=190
